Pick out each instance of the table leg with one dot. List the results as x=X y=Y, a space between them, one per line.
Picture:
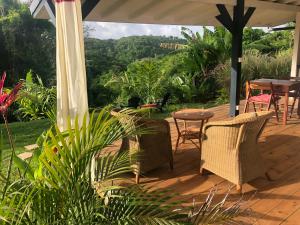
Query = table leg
x=200 y=136
x=286 y=107
x=185 y=132
x=179 y=135
x=298 y=109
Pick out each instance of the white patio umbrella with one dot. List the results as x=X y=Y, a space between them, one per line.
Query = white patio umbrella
x=71 y=73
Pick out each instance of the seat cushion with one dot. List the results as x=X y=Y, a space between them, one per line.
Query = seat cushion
x=263 y=98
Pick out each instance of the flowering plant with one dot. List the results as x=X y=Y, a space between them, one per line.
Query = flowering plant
x=6 y=99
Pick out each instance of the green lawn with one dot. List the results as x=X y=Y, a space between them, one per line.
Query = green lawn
x=27 y=133
x=24 y=133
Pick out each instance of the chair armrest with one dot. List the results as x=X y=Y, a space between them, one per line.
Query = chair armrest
x=237 y=121
x=155 y=125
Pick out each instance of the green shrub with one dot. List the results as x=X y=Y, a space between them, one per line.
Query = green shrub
x=256 y=65
x=36 y=101
x=143 y=78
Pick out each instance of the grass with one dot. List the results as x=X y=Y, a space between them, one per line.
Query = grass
x=27 y=133
x=24 y=133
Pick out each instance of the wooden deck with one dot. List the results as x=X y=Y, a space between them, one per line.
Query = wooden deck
x=270 y=202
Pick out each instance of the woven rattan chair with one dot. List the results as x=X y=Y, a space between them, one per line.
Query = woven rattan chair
x=153 y=147
x=230 y=150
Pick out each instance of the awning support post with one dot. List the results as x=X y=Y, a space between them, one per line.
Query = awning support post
x=296 y=49
x=235 y=26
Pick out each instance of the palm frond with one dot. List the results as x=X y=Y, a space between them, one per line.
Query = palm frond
x=215 y=213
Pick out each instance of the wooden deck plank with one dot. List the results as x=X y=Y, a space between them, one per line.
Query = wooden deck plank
x=275 y=202
x=293 y=219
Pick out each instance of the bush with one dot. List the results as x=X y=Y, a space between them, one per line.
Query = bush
x=256 y=65
x=36 y=101
x=143 y=78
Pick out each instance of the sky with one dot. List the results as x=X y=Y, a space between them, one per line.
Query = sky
x=103 y=30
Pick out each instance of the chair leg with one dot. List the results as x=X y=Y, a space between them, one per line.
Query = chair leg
x=177 y=144
x=137 y=178
x=254 y=107
x=201 y=171
x=276 y=111
x=246 y=107
x=171 y=164
x=239 y=188
x=268 y=176
x=293 y=106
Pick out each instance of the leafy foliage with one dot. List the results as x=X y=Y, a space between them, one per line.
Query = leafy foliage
x=58 y=188
x=256 y=65
x=144 y=79
x=268 y=43
x=37 y=101
x=25 y=43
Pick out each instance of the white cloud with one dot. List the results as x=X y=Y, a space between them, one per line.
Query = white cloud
x=103 y=30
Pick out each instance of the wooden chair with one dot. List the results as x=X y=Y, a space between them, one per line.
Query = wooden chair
x=266 y=97
x=295 y=94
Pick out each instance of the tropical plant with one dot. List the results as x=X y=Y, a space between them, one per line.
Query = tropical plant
x=256 y=65
x=143 y=78
x=6 y=99
x=204 y=52
x=37 y=101
x=269 y=43
x=25 y=43
x=59 y=187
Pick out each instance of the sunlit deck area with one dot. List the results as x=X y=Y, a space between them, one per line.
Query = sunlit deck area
x=270 y=202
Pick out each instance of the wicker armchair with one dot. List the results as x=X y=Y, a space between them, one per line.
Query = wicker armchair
x=230 y=150
x=154 y=147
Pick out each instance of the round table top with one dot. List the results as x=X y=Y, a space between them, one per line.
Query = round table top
x=192 y=114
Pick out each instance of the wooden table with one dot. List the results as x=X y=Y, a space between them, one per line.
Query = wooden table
x=284 y=87
x=190 y=133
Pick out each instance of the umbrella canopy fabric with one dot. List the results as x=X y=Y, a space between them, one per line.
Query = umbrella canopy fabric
x=70 y=60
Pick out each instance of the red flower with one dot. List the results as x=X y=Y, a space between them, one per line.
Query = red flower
x=7 y=99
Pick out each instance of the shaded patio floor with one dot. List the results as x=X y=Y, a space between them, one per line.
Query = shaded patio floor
x=270 y=202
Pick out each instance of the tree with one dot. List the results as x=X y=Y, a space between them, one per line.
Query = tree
x=26 y=44
x=6 y=5
x=268 y=43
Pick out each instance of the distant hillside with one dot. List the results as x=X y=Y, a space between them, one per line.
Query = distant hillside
x=105 y=55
